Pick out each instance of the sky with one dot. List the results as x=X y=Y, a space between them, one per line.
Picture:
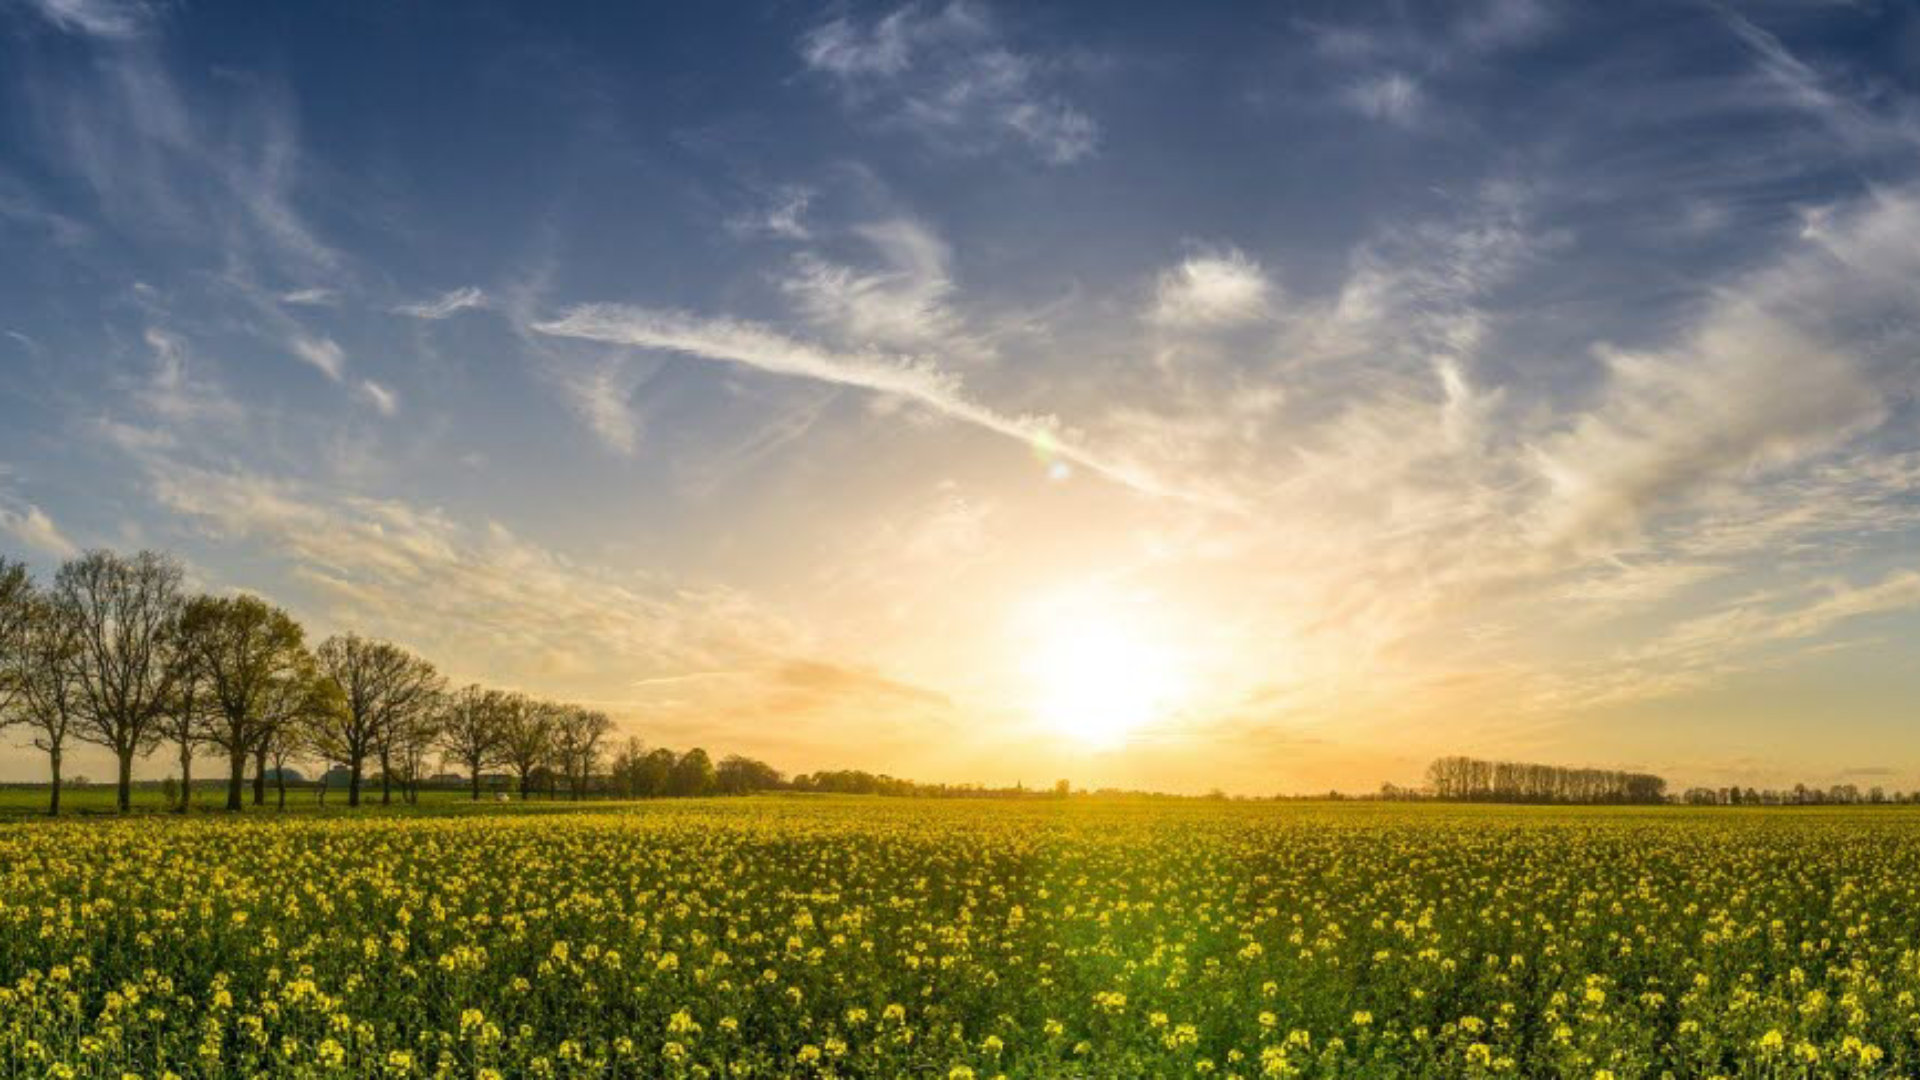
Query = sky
x=1266 y=397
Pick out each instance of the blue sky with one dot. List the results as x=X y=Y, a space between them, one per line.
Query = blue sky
x=1372 y=382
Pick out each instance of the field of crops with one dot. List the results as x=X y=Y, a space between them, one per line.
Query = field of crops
x=821 y=937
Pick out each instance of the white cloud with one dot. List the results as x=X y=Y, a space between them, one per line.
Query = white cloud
x=1219 y=289
x=383 y=399
x=948 y=75
x=902 y=305
x=784 y=216
x=310 y=297
x=98 y=18
x=175 y=395
x=1703 y=648
x=31 y=526
x=1788 y=363
x=502 y=607
x=322 y=353
x=446 y=305
x=1391 y=97
x=602 y=395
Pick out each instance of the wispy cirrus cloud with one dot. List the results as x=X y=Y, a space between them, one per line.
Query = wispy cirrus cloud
x=901 y=305
x=948 y=75
x=323 y=353
x=175 y=393
x=381 y=398
x=112 y=19
x=446 y=305
x=752 y=345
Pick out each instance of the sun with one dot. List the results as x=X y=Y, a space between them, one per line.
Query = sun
x=1098 y=678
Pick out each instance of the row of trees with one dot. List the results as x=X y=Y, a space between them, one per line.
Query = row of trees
x=1797 y=795
x=114 y=653
x=1474 y=780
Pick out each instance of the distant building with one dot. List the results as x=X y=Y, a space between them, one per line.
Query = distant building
x=291 y=776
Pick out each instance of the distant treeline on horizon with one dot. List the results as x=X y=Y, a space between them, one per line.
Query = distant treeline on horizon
x=1468 y=779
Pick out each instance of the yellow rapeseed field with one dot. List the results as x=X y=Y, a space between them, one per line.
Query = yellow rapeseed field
x=875 y=938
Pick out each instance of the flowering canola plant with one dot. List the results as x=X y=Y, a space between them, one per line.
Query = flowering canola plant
x=799 y=937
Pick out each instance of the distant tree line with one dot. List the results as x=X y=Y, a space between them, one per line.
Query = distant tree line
x=1797 y=795
x=114 y=653
x=1467 y=779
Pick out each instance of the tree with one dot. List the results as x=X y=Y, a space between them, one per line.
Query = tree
x=378 y=683
x=473 y=730
x=125 y=612
x=299 y=706
x=40 y=659
x=185 y=723
x=578 y=733
x=406 y=731
x=409 y=738
x=527 y=731
x=623 y=774
x=743 y=775
x=16 y=605
x=251 y=657
x=656 y=773
x=693 y=774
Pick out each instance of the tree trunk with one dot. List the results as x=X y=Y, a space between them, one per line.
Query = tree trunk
x=126 y=781
x=280 y=781
x=476 y=783
x=353 y=782
x=53 y=800
x=186 y=776
x=386 y=780
x=236 y=778
x=260 y=774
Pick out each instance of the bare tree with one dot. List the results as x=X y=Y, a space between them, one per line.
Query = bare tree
x=125 y=612
x=406 y=731
x=410 y=738
x=527 y=737
x=472 y=730
x=624 y=774
x=380 y=684
x=577 y=735
x=184 y=724
x=248 y=654
x=16 y=606
x=41 y=661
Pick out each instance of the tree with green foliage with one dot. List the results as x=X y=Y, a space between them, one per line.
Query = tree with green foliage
x=693 y=774
x=251 y=657
x=739 y=775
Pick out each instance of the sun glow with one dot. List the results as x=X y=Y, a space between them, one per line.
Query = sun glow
x=1099 y=678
